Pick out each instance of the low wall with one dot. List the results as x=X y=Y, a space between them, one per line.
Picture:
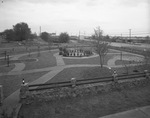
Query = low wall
x=79 y=91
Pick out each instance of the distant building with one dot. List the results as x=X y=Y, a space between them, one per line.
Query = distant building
x=83 y=37
x=74 y=37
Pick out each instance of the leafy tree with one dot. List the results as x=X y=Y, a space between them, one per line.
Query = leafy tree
x=101 y=47
x=93 y=36
x=45 y=36
x=147 y=39
x=64 y=38
x=33 y=36
x=22 y=31
x=10 y=35
x=107 y=38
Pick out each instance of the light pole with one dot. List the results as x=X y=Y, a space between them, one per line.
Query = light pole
x=121 y=55
x=145 y=56
x=130 y=34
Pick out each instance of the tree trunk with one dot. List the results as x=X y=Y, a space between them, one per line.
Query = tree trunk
x=101 y=62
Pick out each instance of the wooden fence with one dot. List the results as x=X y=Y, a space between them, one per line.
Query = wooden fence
x=36 y=87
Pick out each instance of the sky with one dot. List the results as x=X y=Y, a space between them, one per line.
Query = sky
x=115 y=17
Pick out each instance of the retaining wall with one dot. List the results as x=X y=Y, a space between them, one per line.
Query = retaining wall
x=80 y=91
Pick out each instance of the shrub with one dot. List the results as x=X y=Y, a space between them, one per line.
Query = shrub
x=87 y=52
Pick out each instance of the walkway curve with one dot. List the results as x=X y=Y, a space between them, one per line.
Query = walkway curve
x=111 y=62
x=12 y=101
x=18 y=67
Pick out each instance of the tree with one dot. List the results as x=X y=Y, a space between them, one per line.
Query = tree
x=64 y=38
x=45 y=36
x=147 y=39
x=107 y=38
x=101 y=46
x=33 y=35
x=22 y=31
x=10 y=35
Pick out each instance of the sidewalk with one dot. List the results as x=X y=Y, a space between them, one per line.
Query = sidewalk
x=142 y=112
x=12 y=102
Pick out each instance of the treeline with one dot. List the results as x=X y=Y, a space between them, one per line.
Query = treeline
x=22 y=32
x=62 y=38
x=19 y=32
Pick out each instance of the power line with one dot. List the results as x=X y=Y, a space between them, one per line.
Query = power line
x=128 y=33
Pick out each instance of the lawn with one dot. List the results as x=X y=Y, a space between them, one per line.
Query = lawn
x=123 y=62
x=94 y=72
x=13 y=82
x=94 y=60
x=4 y=69
x=46 y=59
x=80 y=73
x=12 y=50
x=131 y=69
x=91 y=106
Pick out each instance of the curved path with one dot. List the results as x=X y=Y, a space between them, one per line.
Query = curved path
x=12 y=101
x=18 y=67
x=112 y=61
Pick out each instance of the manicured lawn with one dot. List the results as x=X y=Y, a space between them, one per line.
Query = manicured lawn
x=139 y=68
x=91 y=106
x=93 y=72
x=46 y=59
x=80 y=73
x=4 y=69
x=13 y=82
x=123 y=62
x=94 y=60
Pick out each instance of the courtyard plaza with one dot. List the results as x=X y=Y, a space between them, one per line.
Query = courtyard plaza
x=11 y=101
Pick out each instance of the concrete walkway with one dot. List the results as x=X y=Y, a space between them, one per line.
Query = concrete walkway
x=143 y=112
x=59 y=60
x=18 y=67
x=12 y=101
x=111 y=62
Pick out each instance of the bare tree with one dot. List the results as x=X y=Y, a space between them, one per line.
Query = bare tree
x=100 y=45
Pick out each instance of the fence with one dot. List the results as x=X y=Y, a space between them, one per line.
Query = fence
x=36 y=87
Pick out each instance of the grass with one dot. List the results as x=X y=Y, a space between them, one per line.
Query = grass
x=94 y=60
x=89 y=106
x=46 y=59
x=122 y=62
x=93 y=72
x=139 y=68
x=22 y=49
x=4 y=69
x=80 y=73
x=13 y=82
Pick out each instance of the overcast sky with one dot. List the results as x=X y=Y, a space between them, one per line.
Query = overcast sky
x=115 y=17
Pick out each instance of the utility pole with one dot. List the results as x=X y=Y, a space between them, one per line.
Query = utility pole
x=40 y=30
x=121 y=38
x=79 y=35
x=130 y=34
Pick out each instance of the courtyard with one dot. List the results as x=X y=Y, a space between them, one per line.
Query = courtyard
x=48 y=66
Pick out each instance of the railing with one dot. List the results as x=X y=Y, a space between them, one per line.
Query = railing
x=36 y=87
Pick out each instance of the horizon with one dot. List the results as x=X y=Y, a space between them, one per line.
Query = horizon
x=115 y=17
